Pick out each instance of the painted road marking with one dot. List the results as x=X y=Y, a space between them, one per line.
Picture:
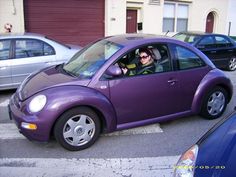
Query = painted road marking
x=154 y=128
x=4 y=103
x=10 y=131
x=115 y=167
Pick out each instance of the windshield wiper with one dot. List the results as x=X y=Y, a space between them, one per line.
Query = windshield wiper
x=59 y=65
x=68 y=72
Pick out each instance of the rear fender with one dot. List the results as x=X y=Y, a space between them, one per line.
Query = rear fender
x=211 y=80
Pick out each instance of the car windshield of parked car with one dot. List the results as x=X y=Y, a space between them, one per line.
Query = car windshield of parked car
x=189 y=38
x=87 y=62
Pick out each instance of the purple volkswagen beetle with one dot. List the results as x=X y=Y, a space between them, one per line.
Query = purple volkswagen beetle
x=90 y=94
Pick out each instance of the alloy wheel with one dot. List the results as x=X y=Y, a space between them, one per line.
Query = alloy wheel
x=79 y=130
x=216 y=103
x=232 y=64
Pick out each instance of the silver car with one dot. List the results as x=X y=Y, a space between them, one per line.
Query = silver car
x=23 y=54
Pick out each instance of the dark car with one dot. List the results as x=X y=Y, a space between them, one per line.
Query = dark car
x=221 y=49
x=213 y=155
x=88 y=95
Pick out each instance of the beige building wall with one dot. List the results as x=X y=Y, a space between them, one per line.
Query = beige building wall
x=148 y=14
x=11 y=11
x=151 y=15
x=115 y=17
x=231 y=18
x=199 y=9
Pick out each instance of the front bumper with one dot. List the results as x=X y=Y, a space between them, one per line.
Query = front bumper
x=15 y=114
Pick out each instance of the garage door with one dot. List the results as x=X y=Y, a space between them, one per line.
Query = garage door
x=70 y=21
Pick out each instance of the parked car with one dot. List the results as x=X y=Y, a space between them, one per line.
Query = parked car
x=22 y=54
x=88 y=95
x=213 y=155
x=221 y=49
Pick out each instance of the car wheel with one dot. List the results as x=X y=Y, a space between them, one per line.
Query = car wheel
x=214 y=103
x=77 y=128
x=232 y=64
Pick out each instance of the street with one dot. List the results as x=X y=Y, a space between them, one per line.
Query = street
x=146 y=151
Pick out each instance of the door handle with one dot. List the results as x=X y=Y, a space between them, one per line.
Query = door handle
x=230 y=50
x=172 y=81
x=213 y=51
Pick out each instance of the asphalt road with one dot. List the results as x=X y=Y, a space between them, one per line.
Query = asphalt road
x=146 y=151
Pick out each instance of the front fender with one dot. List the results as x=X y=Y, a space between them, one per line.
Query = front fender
x=63 y=98
x=214 y=78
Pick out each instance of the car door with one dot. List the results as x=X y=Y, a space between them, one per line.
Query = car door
x=224 y=51
x=141 y=97
x=208 y=47
x=191 y=70
x=30 y=55
x=5 y=63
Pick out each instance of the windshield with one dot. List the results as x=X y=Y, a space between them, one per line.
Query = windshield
x=190 y=38
x=87 y=62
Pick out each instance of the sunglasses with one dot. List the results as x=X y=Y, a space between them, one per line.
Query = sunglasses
x=143 y=57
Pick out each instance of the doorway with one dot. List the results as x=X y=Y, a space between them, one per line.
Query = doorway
x=210 y=22
x=131 y=21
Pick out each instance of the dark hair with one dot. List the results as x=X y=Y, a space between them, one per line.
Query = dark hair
x=145 y=50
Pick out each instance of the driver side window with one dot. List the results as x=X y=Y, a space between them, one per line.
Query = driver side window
x=148 y=59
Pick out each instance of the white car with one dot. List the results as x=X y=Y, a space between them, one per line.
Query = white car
x=22 y=54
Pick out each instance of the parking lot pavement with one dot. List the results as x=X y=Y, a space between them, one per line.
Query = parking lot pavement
x=56 y=167
x=116 y=167
x=89 y=167
x=232 y=76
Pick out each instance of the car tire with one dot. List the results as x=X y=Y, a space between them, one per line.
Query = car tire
x=214 y=103
x=232 y=64
x=77 y=128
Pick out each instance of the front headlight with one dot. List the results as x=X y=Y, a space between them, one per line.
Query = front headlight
x=37 y=103
x=186 y=164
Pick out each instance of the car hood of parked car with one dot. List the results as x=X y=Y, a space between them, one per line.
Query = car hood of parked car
x=217 y=147
x=46 y=79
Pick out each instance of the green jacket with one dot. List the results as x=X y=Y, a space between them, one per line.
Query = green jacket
x=137 y=69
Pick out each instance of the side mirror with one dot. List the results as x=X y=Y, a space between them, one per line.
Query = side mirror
x=114 y=71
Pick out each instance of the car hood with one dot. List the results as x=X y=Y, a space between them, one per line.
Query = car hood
x=217 y=146
x=45 y=79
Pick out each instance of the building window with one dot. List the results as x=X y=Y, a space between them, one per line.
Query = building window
x=182 y=18
x=175 y=17
x=169 y=18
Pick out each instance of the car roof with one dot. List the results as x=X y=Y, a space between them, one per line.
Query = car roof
x=129 y=39
x=21 y=35
x=200 y=33
x=194 y=32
